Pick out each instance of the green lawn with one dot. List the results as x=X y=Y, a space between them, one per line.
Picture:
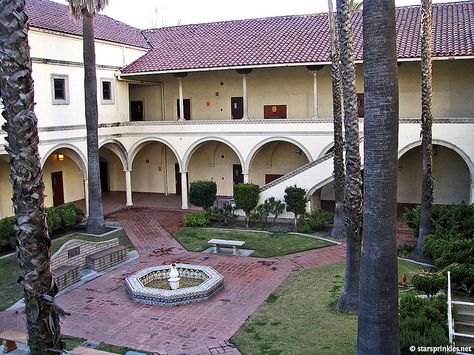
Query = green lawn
x=11 y=291
x=298 y=319
x=265 y=244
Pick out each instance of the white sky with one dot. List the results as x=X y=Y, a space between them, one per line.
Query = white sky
x=159 y=13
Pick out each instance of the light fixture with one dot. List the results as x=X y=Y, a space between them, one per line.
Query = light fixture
x=59 y=157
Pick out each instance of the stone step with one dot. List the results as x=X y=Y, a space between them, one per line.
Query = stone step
x=464 y=317
x=464 y=327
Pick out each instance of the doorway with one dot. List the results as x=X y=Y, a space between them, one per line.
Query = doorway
x=237 y=107
x=58 y=188
x=237 y=173
x=187 y=108
x=136 y=110
x=104 y=176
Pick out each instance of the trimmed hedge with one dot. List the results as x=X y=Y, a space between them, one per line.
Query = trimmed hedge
x=196 y=219
x=57 y=218
x=203 y=193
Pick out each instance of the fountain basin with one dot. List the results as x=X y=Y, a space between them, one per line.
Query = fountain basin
x=138 y=285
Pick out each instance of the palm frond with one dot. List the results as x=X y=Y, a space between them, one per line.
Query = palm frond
x=92 y=6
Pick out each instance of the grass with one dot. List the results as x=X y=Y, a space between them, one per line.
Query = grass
x=11 y=291
x=298 y=319
x=265 y=244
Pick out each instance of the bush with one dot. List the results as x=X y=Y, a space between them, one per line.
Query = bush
x=261 y=213
x=203 y=193
x=422 y=322
x=53 y=220
x=404 y=250
x=7 y=234
x=279 y=229
x=246 y=198
x=69 y=214
x=314 y=221
x=196 y=219
x=295 y=199
x=222 y=215
x=428 y=283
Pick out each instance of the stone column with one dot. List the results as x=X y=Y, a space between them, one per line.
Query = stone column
x=180 y=77
x=184 y=190
x=86 y=195
x=128 y=187
x=314 y=69
x=244 y=73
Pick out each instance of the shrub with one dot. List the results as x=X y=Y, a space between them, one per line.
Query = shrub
x=423 y=322
x=68 y=215
x=462 y=277
x=279 y=229
x=246 y=198
x=53 y=220
x=428 y=283
x=203 y=193
x=295 y=199
x=7 y=234
x=261 y=213
x=276 y=207
x=314 y=221
x=196 y=219
x=404 y=250
x=222 y=215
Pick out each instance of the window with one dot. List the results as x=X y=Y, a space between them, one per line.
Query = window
x=60 y=89
x=106 y=92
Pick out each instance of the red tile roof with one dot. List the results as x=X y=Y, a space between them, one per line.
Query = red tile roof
x=52 y=16
x=295 y=39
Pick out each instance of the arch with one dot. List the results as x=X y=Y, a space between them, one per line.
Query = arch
x=257 y=147
x=326 y=149
x=459 y=151
x=323 y=183
x=141 y=143
x=76 y=156
x=195 y=146
x=118 y=148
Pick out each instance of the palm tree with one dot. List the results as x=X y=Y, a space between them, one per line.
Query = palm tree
x=378 y=308
x=355 y=5
x=86 y=9
x=338 y=229
x=348 y=302
x=426 y=123
x=16 y=89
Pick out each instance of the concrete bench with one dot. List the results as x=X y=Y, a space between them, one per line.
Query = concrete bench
x=10 y=338
x=66 y=275
x=236 y=244
x=107 y=258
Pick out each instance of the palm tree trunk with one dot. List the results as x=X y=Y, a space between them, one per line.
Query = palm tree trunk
x=16 y=88
x=95 y=221
x=378 y=308
x=348 y=302
x=426 y=123
x=338 y=229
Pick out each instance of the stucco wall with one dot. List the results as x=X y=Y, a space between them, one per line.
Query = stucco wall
x=6 y=192
x=153 y=169
x=73 y=180
x=151 y=97
x=115 y=169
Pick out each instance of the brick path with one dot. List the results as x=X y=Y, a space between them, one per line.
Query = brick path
x=102 y=311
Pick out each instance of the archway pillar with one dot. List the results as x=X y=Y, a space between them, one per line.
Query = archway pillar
x=471 y=196
x=246 y=178
x=128 y=187
x=86 y=195
x=184 y=190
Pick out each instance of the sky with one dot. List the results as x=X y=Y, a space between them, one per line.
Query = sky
x=160 y=13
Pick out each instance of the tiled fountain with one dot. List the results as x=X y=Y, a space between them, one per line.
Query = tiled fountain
x=152 y=285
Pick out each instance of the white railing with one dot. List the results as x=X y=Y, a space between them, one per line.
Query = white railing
x=451 y=323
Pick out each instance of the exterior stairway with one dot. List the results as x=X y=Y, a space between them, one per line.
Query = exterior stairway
x=463 y=324
x=314 y=174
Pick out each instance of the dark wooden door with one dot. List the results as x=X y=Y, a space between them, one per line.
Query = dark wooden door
x=104 y=176
x=136 y=110
x=274 y=111
x=177 y=175
x=187 y=108
x=271 y=177
x=58 y=188
x=237 y=173
x=237 y=107
x=360 y=105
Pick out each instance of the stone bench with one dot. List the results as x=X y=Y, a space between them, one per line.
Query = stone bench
x=9 y=339
x=66 y=275
x=236 y=244
x=106 y=258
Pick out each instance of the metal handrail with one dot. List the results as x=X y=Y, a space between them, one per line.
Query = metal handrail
x=450 y=312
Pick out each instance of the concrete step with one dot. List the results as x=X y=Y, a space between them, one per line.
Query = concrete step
x=464 y=317
x=464 y=327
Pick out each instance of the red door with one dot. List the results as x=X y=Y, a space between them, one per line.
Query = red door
x=58 y=188
x=237 y=107
x=274 y=111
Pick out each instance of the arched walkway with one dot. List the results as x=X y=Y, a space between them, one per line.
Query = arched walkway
x=64 y=175
x=215 y=160
x=6 y=192
x=274 y=159
x=113 y=164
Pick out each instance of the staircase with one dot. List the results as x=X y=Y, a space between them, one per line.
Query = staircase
x=460 y=321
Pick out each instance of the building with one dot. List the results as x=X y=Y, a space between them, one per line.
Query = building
x=233 y=101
